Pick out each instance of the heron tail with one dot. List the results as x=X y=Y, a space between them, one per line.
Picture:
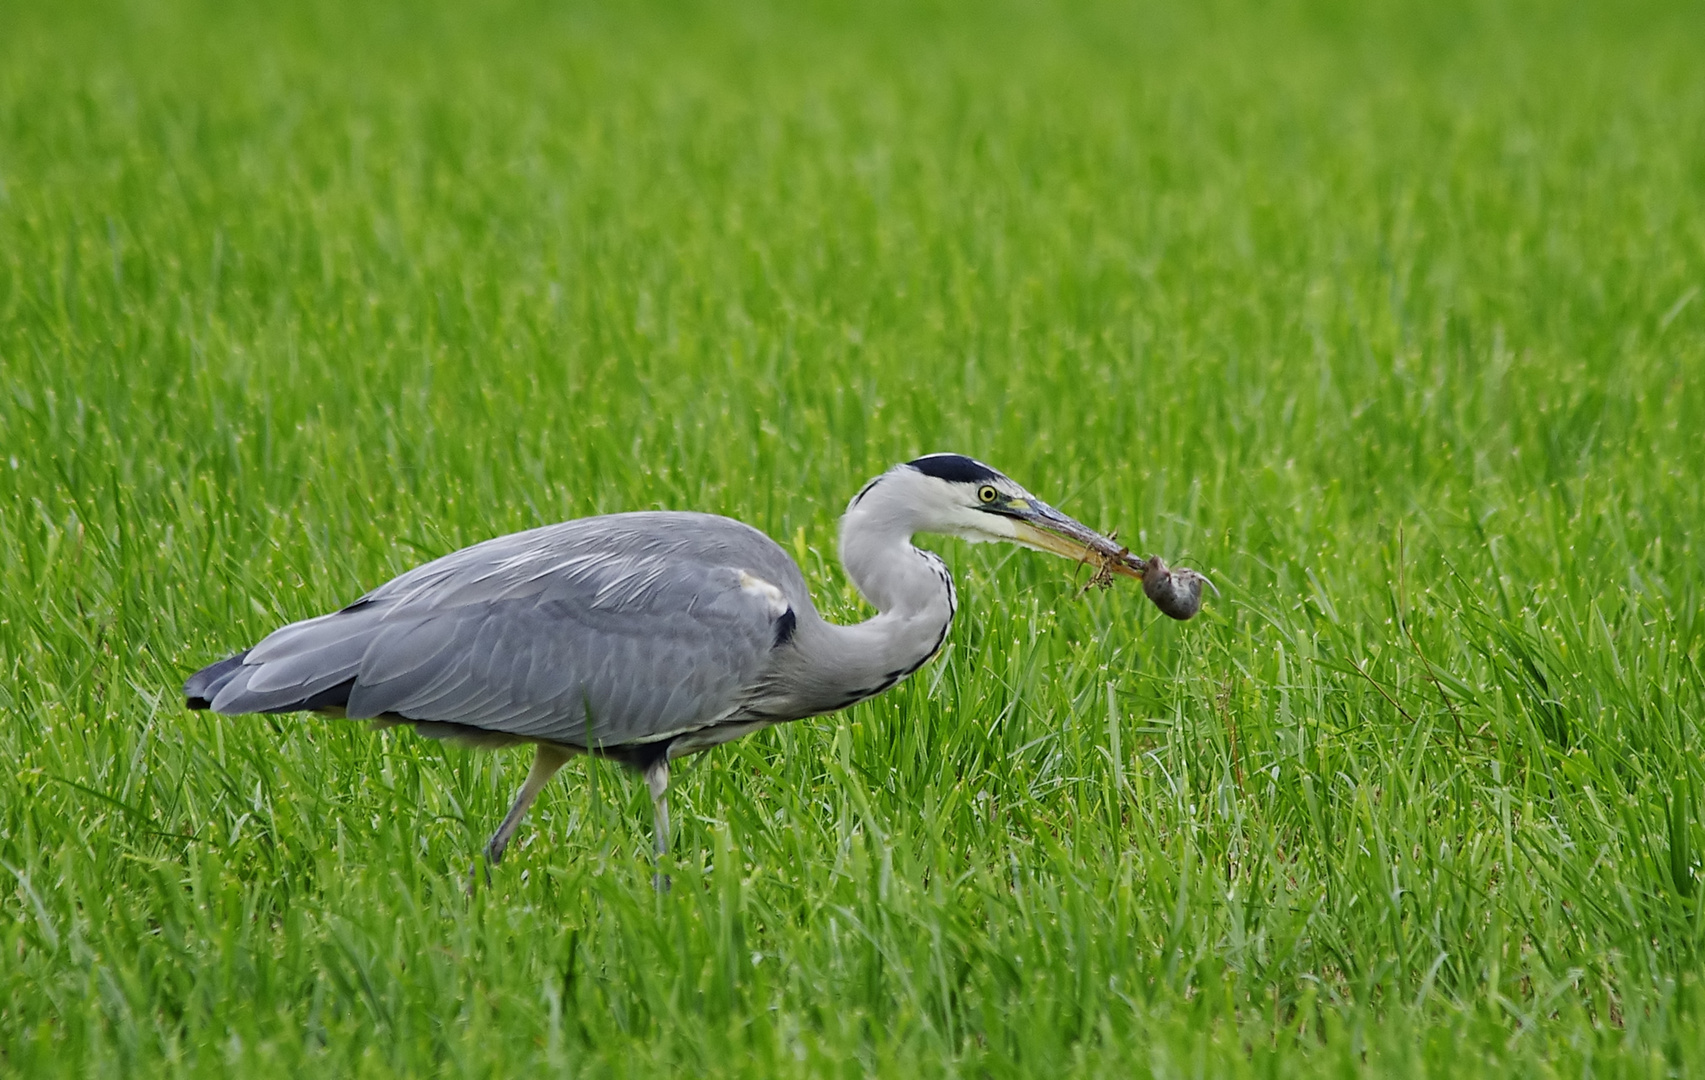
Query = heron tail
x=202 y=687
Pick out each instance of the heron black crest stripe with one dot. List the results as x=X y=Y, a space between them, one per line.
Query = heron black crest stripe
x=862 y=492
x=954 y=468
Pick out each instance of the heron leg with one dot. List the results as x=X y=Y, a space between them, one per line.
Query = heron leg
x=657 y=779
x=546 y=761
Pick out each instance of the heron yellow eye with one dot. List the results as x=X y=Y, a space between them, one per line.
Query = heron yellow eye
x=987 y=493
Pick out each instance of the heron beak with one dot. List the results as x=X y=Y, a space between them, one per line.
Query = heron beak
x=1040 y=526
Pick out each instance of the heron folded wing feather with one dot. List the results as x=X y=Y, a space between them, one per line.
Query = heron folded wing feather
x=239 y=696
x=581 y=674
x=406 y=650
x=602 y=631
x=452 y=696
x=311 y=635
x=295 y=663
x=431 y=698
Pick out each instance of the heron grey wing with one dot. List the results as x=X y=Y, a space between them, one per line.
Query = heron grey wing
x=647 y=648
x=523 y=629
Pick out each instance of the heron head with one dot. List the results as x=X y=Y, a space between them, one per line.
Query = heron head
x=960 y=496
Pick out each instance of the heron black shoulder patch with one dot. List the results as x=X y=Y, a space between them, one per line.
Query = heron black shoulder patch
x=786 y=623
x=954 y=468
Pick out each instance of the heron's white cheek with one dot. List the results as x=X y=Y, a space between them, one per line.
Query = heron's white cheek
x=979 y=527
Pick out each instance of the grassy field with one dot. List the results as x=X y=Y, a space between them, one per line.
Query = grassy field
x=1389 y=316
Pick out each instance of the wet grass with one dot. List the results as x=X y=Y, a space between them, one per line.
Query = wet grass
x=1387 y=316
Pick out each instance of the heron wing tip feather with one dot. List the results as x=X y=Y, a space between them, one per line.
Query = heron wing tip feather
x=201 y=688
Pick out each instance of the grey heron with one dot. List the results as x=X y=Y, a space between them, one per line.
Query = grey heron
x=641 y=637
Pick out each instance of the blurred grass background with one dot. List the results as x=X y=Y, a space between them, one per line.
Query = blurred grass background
x=1386 y=315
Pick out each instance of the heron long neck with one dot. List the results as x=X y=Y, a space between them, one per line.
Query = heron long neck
x=914 y=597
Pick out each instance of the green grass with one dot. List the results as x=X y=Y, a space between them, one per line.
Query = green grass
x=1389 y=316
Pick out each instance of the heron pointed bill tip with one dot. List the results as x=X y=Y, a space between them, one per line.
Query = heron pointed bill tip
x=1040 y=526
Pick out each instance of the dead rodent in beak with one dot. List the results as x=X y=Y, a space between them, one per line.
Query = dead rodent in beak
x=1177 y=593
